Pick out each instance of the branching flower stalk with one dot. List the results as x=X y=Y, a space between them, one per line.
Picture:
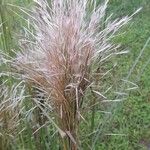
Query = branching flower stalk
x=63 y=54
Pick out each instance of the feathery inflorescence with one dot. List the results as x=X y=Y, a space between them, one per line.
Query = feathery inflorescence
x=67 y=41
x=10 y=110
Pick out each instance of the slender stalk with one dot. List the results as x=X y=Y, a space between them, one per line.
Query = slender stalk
x=6 y=30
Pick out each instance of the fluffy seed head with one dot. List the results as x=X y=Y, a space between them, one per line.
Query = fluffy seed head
x=67 y=41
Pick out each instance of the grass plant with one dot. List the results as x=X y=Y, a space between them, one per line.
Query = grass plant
x=66 y=64
x=69 y=45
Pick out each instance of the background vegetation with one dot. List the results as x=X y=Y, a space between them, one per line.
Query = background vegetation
x=130 y=127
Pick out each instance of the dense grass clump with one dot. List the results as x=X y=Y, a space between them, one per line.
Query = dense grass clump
x=58 y=86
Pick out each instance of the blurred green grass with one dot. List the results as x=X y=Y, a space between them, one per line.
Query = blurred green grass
x=133 y=118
